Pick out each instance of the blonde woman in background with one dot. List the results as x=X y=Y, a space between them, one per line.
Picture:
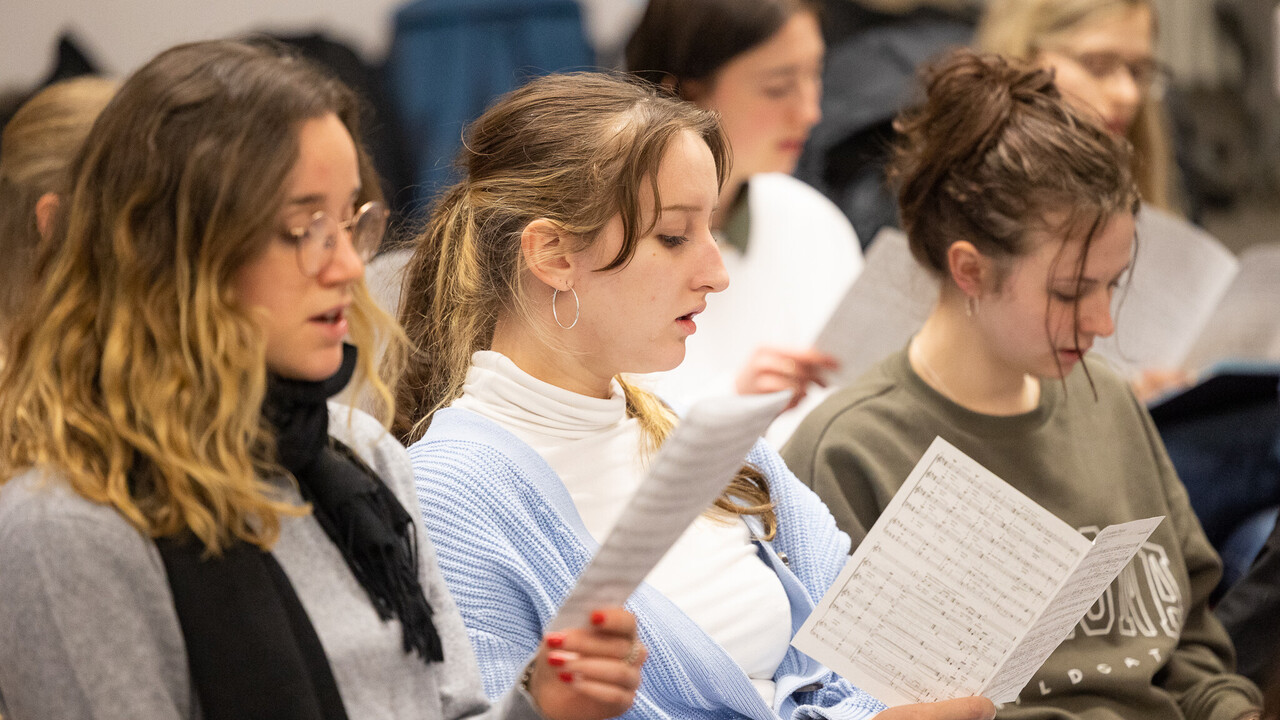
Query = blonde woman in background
x=38 y=145
x=1103 y=56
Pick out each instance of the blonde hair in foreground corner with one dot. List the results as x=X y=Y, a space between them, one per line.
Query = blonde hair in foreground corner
x=1021 y=28
x=575 y=149
x=136 y=375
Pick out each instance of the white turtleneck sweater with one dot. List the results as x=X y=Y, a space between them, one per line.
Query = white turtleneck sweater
x=712 y=573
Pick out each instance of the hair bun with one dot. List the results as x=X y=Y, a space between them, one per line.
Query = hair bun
x=992 y=139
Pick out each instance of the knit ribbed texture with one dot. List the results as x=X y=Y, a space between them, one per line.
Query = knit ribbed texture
x=511 y=545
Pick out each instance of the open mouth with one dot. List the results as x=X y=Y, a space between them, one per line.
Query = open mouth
x=333 y=317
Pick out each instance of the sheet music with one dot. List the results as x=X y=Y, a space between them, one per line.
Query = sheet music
x=1112 y=550
x=695 y=463
x=883 y=308
x=959 y=568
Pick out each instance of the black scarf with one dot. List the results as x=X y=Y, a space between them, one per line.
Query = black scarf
x=252 y=650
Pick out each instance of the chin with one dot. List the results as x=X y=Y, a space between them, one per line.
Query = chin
x=314 y=369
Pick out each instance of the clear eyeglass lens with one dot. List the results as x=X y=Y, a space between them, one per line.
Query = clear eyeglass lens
x=317 y=242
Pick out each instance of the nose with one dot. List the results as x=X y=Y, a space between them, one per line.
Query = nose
x=809 y=108
x=346 y=266
x=1095 y=315
x=712 y=275
x=1124 y=93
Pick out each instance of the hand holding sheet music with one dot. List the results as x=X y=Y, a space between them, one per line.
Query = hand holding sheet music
x=964 y=586
x=695 y=463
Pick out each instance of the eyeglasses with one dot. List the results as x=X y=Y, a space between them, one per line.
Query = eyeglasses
x=1148 y=74
x=318 y=239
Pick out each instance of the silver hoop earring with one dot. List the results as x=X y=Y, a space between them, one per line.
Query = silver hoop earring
x=577 y=306
x=970 y=306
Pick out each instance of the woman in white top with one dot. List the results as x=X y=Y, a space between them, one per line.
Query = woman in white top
x=789 y=251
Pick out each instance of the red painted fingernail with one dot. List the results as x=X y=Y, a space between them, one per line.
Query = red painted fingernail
x=597 y=618
x=555 y=640
x=555 y=660
x=566 y=677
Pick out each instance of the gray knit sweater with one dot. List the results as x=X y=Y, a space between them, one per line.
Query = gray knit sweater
x=88 y=628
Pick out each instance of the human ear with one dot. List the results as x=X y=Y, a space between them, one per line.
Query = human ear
x=547 y=251
x=46 y=208
x=694 y=91
x=970 y=270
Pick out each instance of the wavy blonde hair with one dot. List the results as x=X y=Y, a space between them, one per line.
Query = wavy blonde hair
x=136 y=374
x=575 y=149
x=1021 y=28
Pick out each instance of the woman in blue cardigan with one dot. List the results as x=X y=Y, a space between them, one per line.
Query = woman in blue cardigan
x=578 y=248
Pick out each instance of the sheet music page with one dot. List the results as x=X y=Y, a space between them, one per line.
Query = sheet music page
x=1244 y=326
x=953 y=573
x=1179 y=276
x=883 y=308
x=700 y=457
x=1112 y=550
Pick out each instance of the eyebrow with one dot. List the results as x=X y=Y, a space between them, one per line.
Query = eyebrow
x=1097 y=281
x=686 y=208
x=315 y=199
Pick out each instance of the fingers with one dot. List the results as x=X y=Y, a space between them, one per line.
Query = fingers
x=772 y=369
x=611 y=635
x=968 y=708
x=589 y=672
x=599 y=670
x=614 y=621
x=610 y=698
x=1151 y=384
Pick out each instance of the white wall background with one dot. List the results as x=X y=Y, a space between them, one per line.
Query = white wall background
x=123 y=34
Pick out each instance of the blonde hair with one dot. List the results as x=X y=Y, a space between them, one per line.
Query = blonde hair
x=1021 y=28
x=137 y=375
x=39 y=143
x=574 y=149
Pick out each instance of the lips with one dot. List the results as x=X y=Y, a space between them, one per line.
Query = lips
x=332 y=317
x=332 y=323
x=686 y=321
x=691 y=314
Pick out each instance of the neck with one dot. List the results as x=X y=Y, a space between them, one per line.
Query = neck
x=951 y=355
x=728 y=199
x=562 y=366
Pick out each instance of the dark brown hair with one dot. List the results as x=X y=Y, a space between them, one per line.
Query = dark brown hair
x=680 y=40
x=993 y=151
x=995 y=154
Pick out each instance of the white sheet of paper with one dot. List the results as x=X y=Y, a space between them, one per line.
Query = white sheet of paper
x=1179 y=276
x=694 y=464
x=957 y=571
x=883 y=308
x=1243 y=326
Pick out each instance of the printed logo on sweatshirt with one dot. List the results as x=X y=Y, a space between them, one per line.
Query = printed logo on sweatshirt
x=1144 y=601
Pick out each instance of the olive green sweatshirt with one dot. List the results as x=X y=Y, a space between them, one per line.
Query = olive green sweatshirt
x=1149 y=649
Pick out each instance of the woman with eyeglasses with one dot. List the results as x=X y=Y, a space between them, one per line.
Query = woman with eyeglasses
x=188 y=529
x=1102 y=53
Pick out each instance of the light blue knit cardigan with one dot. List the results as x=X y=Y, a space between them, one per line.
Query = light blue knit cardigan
x=511 y=544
